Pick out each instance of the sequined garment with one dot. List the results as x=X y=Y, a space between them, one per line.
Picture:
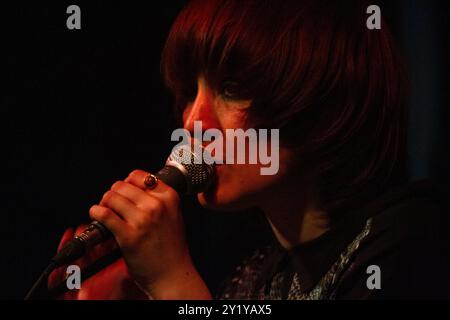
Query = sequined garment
x=249 y=282
x=403 y=232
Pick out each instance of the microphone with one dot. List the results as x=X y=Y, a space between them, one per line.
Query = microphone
x=184 y=171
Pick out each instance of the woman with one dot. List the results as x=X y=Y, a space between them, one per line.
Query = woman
x=346 y=223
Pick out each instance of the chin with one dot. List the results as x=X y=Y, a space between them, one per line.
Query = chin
x=213 y=199
x=215 y=202
x=228 y=193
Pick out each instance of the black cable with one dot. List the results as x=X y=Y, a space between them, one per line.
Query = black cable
x=44 y=275
x=87 y=272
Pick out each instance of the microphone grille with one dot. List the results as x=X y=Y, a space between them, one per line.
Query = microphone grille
x=191 y=162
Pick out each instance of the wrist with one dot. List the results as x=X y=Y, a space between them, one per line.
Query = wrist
x=184 y=284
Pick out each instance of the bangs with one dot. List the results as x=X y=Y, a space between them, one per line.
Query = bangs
x=243 y=41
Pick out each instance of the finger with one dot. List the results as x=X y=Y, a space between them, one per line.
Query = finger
x=105 y=247
x=148 y=202
x=121 y=205
x=162 y=190
x=130 y=191
x=137 y=178
x=109 y=219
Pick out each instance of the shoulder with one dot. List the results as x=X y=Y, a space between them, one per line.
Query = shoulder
x=406 y=250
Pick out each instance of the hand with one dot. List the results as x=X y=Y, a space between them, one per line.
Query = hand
x=111 y=283
x=148 y=227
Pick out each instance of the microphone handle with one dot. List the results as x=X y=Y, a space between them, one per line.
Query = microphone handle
x=78 y=245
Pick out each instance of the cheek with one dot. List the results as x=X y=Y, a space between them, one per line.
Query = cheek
x=283 y=165
x=242 y=186
x=244 y=182
x=235 y=189
x=249 y=177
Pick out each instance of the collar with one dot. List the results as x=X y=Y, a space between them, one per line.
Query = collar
x=311 y=260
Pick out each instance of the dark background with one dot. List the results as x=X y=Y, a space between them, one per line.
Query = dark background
x=80 y=109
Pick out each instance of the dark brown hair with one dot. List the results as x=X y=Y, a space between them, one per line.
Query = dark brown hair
x=334 y=88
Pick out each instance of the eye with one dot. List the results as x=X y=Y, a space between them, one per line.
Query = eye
x=233 y=90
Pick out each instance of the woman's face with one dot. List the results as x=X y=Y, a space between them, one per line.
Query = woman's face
x=237 y=186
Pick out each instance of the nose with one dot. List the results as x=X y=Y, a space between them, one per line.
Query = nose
x=201 y=109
